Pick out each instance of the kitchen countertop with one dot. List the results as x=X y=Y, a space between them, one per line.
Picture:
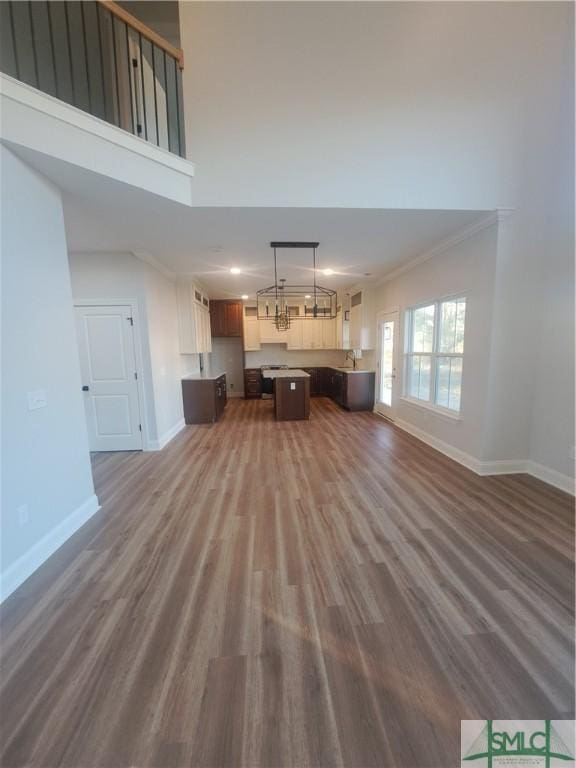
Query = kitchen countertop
x=291 y=373
x=352 y=370
x=203 y=376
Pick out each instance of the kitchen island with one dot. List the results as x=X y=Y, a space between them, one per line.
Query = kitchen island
x=291 y=393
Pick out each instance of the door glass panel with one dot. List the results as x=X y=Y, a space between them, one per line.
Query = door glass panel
x=387 y=362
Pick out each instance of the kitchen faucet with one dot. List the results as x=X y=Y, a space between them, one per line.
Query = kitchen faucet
x=353 y=357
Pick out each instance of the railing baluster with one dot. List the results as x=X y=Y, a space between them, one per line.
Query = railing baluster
x=177 y=106
x=155 y=84
x=101 y=62
x=83 y=21
x=167 y=101
x=34 y=54
x=69 y=46
x=113 y=29
x=181 y=124
x=130 y=80
x=145 y=119
x=52 y=48
x=11 y=4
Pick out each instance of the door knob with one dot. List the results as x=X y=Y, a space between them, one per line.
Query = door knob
x=85 y=388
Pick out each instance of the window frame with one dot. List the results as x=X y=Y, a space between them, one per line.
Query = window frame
x=433 y=356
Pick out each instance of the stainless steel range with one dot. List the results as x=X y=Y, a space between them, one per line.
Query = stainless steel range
x=268 y=384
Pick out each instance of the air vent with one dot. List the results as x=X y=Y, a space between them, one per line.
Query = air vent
x=356 y=300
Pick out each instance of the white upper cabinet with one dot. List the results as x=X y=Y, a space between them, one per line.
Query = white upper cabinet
x=193 y=319
x=269 y=334
x=328 y=334
x=304 y=333
x=312 y=335
x=294 y=333
x=362 y=320
x=251 y=329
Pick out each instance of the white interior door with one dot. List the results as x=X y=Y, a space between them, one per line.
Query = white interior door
x=109 y=378
x=387 y=357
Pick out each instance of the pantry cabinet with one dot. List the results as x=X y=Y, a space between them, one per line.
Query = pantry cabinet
x=193 y=319
x=362 y=319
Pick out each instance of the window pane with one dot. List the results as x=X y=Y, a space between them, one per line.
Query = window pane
x=423 y=329
x=419 y=376
x=449 y=382
x=452 y=316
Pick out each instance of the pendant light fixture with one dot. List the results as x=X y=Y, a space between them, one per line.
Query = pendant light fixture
x=283 y=302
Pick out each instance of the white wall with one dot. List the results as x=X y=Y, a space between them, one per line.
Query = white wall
x=412 y=106
x=45 y=458
x=164 y=351
x=467 y=268
x=277 y=354
x=122 y=276
x=392 y=105
x=228 y=356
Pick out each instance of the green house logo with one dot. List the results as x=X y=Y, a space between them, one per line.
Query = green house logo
x=541 y=746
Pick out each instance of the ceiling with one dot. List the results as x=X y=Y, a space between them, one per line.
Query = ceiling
x=357 y=244
x=103 y=215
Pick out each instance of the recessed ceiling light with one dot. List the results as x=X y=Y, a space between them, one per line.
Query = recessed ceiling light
x=235 y=271
x=328 y=271
x=244 y=296
x=307 y=296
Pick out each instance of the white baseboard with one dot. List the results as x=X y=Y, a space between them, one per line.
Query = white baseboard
x=510 y=467
x=506 y=467
x=448 y=450
x=163 y=440
x=551 y=476
x=26 y=564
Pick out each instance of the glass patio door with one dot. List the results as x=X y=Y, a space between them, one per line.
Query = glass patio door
x=386 y=373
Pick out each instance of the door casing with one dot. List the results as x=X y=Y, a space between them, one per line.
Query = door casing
x=379 y=407
x=141 y=387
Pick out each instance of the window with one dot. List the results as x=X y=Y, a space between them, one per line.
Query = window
x=434 y=352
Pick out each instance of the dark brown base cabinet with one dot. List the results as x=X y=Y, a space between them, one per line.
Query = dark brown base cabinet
x=252 y=383
x=291 y=399
x=204 y=399
x=353 y=391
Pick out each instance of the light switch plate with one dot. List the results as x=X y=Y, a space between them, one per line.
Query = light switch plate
x=292 y=385
x=37 y=399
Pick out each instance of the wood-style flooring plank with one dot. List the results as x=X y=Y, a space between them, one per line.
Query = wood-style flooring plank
x=262 y=594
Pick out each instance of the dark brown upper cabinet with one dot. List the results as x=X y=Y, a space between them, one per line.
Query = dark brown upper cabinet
x=226 y=318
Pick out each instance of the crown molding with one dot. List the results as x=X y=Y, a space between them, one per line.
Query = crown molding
x=152 y=261
x=494 y=217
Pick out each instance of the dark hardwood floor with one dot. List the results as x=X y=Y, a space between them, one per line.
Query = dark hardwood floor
x=323 y=593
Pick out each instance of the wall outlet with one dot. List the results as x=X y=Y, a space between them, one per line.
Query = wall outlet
x=37 y=399
x=22 y=514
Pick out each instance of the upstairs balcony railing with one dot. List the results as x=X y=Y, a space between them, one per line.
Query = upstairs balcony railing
x=101 y=59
